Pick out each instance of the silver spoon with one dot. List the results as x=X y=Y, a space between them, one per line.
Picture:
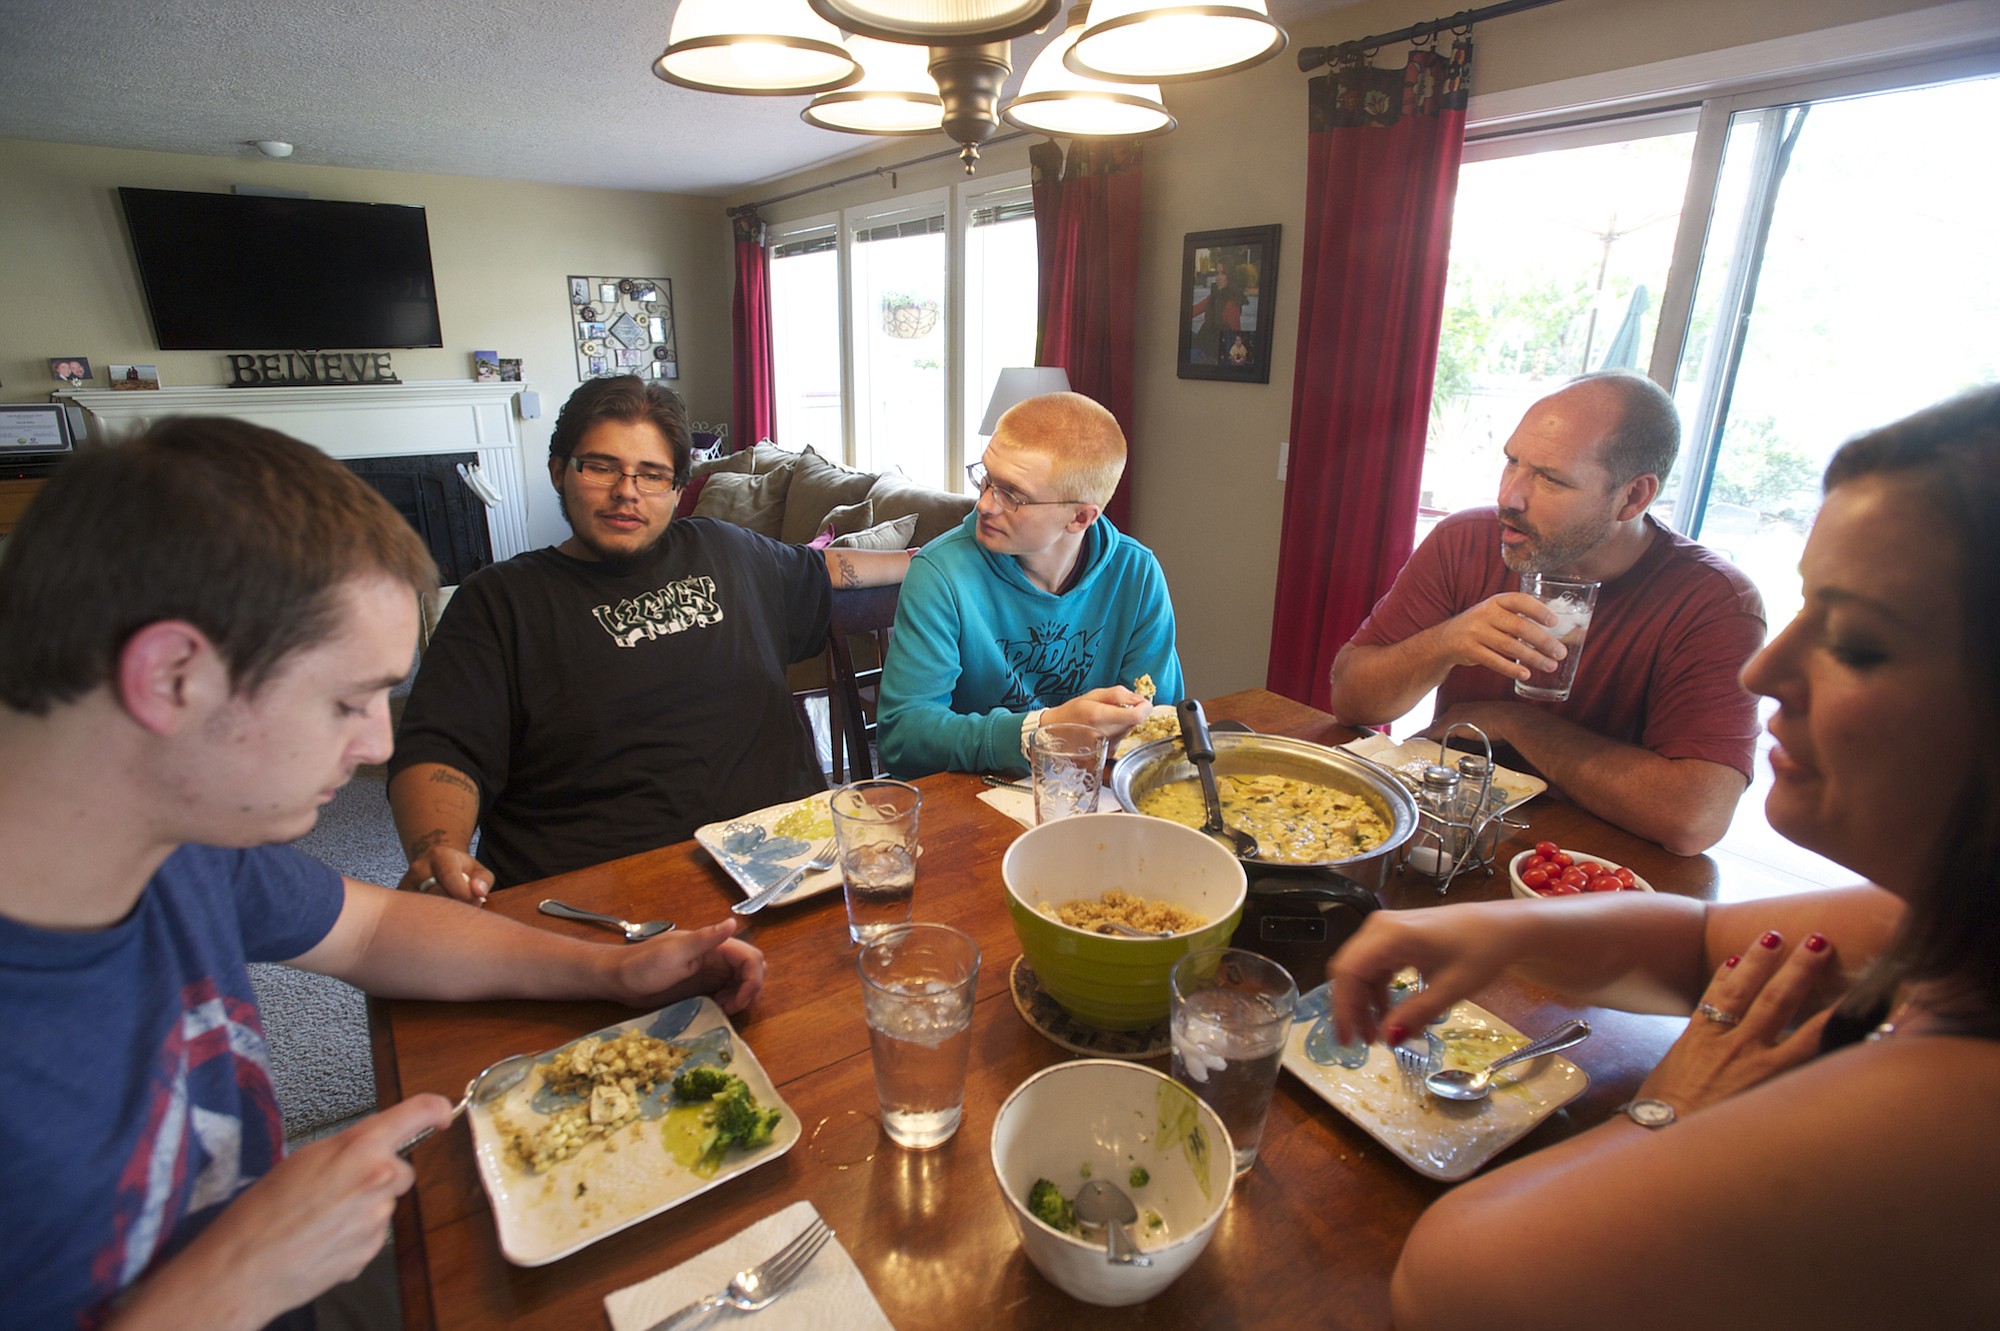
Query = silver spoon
x=1127 y=931
x=1101 y=1203
x=1458 y=1084
x=491 y=1082
x=1201 y=752
x=634 y=933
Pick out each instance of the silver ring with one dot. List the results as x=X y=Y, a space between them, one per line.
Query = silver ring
x=1717 y=1015
x=429 y=884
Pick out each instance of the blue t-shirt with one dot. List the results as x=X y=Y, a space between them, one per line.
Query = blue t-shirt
x=135 y=1086
x=978 y=646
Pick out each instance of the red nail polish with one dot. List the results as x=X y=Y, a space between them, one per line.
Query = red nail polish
x=1730 y=964
x=1816 y=943
x=1770 y=940
x=1394 y=1035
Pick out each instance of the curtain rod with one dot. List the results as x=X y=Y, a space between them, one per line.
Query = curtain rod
x=742 y=208
x=1312 y=57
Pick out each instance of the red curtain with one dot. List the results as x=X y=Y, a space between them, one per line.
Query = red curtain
x=1383 y=152
x=1087 y=229
x=755 y=399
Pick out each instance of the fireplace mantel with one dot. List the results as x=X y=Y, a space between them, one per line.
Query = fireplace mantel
x=356 y=421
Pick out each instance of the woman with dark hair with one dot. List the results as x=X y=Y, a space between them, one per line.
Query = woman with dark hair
x=1817 y=1150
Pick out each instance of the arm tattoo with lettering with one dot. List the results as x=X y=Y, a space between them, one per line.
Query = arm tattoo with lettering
x=848 y=576
x=444 y=776
x=422 y=845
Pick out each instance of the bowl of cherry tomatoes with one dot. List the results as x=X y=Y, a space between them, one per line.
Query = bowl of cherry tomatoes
x=1550 y=871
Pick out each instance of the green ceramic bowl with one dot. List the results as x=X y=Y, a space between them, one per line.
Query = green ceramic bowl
x=1110 y=982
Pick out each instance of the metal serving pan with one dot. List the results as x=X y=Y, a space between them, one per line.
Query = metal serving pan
x=1163 y=761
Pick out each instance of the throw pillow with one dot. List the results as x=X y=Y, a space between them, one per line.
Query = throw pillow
x=819 y=486
x=892 y=535
x=938 y=511
x=748 y=500
x=848 y=518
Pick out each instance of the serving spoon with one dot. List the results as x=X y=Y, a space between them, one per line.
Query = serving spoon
x=634 y=932
x=1458 y=1084
x=1201 y=752
x=1101 y=1203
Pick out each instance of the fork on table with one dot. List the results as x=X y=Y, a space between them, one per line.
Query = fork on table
x=756 y=1287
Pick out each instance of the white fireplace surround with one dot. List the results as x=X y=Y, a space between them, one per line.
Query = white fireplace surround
x=355 y=421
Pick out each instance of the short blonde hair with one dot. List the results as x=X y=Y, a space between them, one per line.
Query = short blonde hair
x=1085 y=447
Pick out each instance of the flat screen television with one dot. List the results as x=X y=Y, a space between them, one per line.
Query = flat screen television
x=243 y=272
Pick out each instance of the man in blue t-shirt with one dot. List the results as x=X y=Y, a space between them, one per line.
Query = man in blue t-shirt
x=1035 y=611
x=199 y=629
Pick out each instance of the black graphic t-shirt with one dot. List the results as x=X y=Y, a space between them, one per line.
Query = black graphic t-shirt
x=605 y=711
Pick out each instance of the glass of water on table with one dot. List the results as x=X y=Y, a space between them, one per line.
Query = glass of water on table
x=875 y=827
x=1572 y=603
x=1231 y=1012
x=918 y=982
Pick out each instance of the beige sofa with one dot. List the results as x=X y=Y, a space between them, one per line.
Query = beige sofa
x=797 y=496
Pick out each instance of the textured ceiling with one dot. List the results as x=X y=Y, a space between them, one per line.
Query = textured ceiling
x=557 y=91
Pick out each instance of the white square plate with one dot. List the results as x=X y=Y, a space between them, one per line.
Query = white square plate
x=599 y=1191
x=1442 y=1139
x=1408 y=758
x=760 y=848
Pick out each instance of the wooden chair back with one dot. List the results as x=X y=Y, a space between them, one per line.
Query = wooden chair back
x=857 y=645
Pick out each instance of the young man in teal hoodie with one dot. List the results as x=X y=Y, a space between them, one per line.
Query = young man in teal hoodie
x=1035 y=610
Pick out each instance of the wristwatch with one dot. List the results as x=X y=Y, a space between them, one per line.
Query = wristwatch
x=1650 y=1113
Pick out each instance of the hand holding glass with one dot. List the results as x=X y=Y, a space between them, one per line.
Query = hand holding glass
x=1572 y=603
x=875 y=823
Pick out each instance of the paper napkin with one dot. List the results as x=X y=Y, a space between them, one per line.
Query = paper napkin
x=1020 y=804
x=829 y=1295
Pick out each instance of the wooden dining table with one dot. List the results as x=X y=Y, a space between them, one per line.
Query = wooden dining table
x=1310 y=1236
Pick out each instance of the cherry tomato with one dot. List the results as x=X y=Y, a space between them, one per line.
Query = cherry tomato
x=1548 y=850
x=1535 y=877
x=1563 y=860
x=1574 y=877
x=1625 y=876
x=1563 y=890
x=1604 y=882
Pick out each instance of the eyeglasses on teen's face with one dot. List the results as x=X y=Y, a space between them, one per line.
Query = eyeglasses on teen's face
x=598 y=472
x=1011 y=500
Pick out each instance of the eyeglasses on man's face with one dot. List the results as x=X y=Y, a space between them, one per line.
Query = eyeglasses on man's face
x=1011 y=500
x=598 y=472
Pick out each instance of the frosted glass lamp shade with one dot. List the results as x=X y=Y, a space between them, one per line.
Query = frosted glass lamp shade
x=764 y=47
x=1142 y=41
x=1056 y=100
x=1016 y=385
x=896 y=94
x=938 y=22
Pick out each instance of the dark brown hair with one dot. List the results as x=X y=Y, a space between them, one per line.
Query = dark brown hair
x=245 y=533
x=624 y=397
x=1949 y=455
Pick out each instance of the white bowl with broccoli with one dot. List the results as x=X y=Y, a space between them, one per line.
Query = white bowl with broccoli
x=1100 y=1118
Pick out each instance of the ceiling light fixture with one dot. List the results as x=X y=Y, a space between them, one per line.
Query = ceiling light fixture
x=1134 y=41
x=938 y=22
x=769 y=48
x=1054 y=99
x=272 y=147
x=896 y=94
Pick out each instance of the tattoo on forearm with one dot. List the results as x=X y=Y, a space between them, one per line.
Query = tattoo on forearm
x=423 y=844
x=848 y=576
x=444 y=776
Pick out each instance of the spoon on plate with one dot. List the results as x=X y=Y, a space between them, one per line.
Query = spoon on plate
x=1201 y=752
x=634 y=932
x=1101 y=1203
x=1458 y=1084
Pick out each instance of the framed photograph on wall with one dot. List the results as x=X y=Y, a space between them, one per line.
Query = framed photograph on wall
x=1228 y=281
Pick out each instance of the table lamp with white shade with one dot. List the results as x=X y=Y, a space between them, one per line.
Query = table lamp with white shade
x=1017 y=384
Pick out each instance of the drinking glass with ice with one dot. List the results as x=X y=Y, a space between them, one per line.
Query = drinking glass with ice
x=1231 y=1013
x=875 y=827
x=1572 y=603
x=918 y=982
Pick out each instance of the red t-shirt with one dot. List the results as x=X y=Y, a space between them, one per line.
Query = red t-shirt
x=1667 y=639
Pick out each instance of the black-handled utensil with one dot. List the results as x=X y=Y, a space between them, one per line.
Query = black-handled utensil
x=1201 y=752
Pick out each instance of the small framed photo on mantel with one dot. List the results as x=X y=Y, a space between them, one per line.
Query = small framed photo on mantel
x=1228 y=281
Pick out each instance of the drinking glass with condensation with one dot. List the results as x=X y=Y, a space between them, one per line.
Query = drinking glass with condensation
x=1572 y=603
x=1230 y=1014
x=1067 y=763
x=917 y=988
x=875 y=828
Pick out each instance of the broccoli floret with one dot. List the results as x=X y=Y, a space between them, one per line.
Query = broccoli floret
x=1047 y=1204
x=1140 y=1178
x=703 y=1083
x=740 y=1119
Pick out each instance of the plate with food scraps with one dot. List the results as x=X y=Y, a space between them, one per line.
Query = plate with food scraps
x=1409 y=758
x=582 y=1149
x=760 y=848
x=1438 y=1138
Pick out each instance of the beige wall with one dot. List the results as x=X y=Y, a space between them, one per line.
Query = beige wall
x=1207 y=496
x=501 y=252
